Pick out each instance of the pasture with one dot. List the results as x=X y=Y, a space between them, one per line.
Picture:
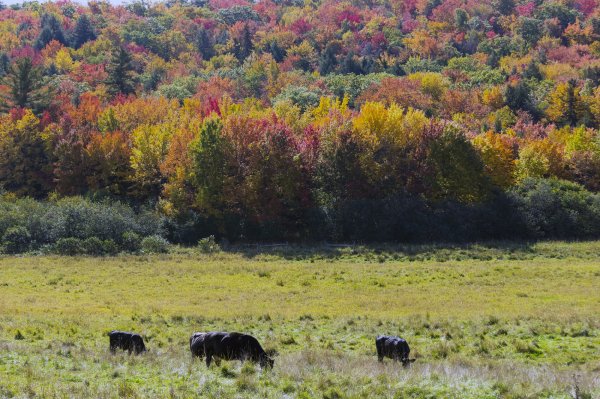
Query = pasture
x=483 y=321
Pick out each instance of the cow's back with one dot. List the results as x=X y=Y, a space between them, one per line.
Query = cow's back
x=119 y=337
x=214 y=342
x=392 y=347
x=231 y=345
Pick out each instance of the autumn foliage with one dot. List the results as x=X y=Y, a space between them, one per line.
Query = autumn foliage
x=257 y=118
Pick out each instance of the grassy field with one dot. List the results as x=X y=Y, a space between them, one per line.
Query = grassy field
x=484 y=321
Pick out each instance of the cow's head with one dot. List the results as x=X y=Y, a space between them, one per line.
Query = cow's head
x=407 y=362
x=138 y=344
x=267 y=362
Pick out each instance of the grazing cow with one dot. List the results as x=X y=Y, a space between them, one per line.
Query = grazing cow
x=197 y=344
x=234 y=346
x=127 y=341
x=395 y=348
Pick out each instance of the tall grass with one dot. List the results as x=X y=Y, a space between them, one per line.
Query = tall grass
x=479 y=327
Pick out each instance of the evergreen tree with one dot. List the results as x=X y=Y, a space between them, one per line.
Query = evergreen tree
x=591 y=73
x=83 y=32
x=368 y=65
x=532 y=72
x=4 y=64
x=120 y=73
x=205 y=45
x=566 y=105
x=530 y=29
x=210 y=167
x=461 y=18
x=505 y=7
x=518 y=97
x=50 y=30
x=328 y=60
x=26 y=87
x=25 y=167
x=350 y=65
x=277 y=52
x=243 y=46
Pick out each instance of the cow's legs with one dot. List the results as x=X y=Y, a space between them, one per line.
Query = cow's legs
x=208 y=359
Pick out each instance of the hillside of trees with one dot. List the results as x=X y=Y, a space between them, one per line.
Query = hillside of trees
x=364 y=120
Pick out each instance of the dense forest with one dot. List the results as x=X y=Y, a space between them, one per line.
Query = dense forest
x=363 y=120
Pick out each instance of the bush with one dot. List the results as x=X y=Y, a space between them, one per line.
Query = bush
x=155 y=244
x=16 y=240
x=68 y=246
x=92 y=246
x=49 y=221
x=110 y=247
x=535 y=209
x=81 y=218
x=131 y=241
x=208 y=245
x=552 y=208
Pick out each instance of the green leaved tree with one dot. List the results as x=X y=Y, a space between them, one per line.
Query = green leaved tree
x=121 y=79
x=26 y=87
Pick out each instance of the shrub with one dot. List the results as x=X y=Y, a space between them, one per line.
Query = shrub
x=131 y=241
x=49 y=221
x=68 y=246
x=92 y=246
x=552 y=208
x=208 y=245
x=155 y=244
x=16 y=240
x=110 y=247
x=81 y=218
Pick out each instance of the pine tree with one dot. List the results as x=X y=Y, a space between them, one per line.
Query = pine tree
x=461 y=18
x=83 y=32
x=25 y=167
x=566 y=105
x=518 y=97
x=243 y=46
x=50 y=30
x=277 y=52
x=120 y=73
x=210 y=167
x=350 y=65
x=26 y=87
x=328 y=61
x=532 y=71
x=505 y=7
x=205 y=45
x=4 y=64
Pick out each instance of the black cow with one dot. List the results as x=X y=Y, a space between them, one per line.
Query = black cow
x=197 y=344
x=234 y=346
x=127 y=341
x=395 y=348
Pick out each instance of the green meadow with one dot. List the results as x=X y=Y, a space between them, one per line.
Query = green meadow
x=483 y=321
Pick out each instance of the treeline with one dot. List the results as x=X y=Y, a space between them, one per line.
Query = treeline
x=536 y=209
x=250 y=172
x=368 y=121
